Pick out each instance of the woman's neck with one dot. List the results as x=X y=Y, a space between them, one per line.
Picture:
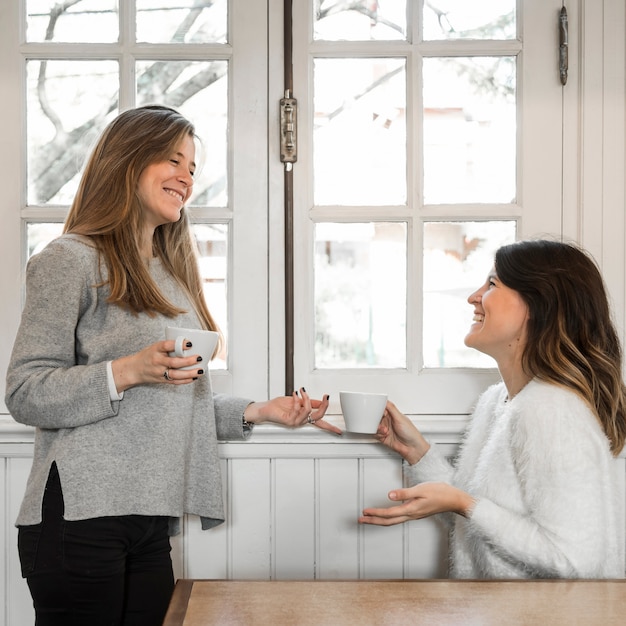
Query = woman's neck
x=514 y=377
x=146 y=249
x=515 y=382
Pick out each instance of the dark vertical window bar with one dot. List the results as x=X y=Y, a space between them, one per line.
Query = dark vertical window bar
x=288 y=217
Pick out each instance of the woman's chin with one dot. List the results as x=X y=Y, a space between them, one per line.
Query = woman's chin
x=470 y=338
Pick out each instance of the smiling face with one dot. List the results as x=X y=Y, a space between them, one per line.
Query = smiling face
x=165 y=186
x=500 y=318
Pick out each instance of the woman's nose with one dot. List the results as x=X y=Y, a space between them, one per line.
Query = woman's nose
x=475 y=297
x=186 y=178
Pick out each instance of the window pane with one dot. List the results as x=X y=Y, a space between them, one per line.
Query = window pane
x=469 y=130
x=199 y=90
x=359 y=142
x=362 y=20
x=40 y=234
x=475 y=19
x=85 y=21
x=68 y=105
x=457 y=258
x=182 y=21
x=212 y=240
x=360 y=295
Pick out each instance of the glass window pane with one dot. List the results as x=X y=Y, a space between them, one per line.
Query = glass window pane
x=199 y=90
x=212 y=241
x=360 y=295
x=464 y=19
x=457 y=258
x=40 y=234
x=359 y=142
x=469 y=130
x=68 y=105
x=363 y=20
x=182 y=21
x=85 y=21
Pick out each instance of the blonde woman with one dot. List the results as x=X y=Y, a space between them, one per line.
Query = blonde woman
x=125 y=440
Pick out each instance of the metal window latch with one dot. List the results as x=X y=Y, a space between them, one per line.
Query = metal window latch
x=563 y=45
x=288 y=130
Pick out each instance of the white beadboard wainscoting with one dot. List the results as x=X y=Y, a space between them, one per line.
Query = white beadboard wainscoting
x=292 y=501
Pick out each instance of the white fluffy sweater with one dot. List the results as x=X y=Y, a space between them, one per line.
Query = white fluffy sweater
x=547 y=489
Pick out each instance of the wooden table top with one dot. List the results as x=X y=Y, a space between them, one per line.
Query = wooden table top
x=370 y=602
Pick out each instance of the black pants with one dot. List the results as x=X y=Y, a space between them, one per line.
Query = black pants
x=108 y=571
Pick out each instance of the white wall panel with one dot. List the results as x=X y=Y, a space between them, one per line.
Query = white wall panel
x=292 y=511
x=250 y=518
x=294 y=519
x=4 y=571
x=337 y=529
x=382 y=555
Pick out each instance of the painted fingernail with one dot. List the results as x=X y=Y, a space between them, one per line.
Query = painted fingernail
x=199 y=359
x=200 y=372
x=188 y=344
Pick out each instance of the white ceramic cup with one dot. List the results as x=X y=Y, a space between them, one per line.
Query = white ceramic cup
x=203 y=343
x=362 y=412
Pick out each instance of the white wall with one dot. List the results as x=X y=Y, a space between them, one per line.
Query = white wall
x=292 y=503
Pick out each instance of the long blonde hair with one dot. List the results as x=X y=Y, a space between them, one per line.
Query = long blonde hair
x=106 y=209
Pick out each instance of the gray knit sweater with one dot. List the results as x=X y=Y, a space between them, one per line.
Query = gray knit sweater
x=152 y=453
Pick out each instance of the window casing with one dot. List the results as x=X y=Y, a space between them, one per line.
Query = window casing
x=586 y=189
x=72 y=72
x=418 y=136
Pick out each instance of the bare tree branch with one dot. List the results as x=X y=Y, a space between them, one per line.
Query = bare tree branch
x=358 y=6
x=56 y=163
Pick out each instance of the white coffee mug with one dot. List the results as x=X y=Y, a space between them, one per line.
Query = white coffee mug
x=203 y=343
x=362 y=412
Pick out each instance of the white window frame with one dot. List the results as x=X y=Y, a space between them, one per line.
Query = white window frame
x=538 y=208
x=246 y=214
x=594 y=194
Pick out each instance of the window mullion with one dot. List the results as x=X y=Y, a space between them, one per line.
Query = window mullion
x=126 y=58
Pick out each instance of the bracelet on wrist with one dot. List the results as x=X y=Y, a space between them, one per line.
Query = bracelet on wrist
x=247 y=426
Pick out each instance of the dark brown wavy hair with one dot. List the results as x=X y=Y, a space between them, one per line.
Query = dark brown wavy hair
x=572 y=340
x=106 y=209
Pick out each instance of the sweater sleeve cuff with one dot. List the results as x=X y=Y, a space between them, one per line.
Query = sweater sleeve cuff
x=113 y=394
x=433 y=466
x=229 y=417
